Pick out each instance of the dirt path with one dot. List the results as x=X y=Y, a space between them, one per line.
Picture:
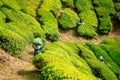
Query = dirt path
x=21 y=68
x=70 y=35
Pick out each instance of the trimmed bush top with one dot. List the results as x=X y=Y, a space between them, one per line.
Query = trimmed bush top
x=68 y=19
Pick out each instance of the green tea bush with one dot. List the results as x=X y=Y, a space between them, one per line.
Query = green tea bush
x=87 y=31
x=49 y=24
x=51 y=5
x=69 y=3
x=68 y=19
x=117 y=6
x=1 y=4
x=25 y=32
x=29 y=6
x=105 y=25
x=11 y=4
x=118 y=15
x=83 y=5
x=58 y=62
x=99 y=69
x=108 y=4
x=102 y=11
x=89 y=17
x=18 y=16
x=114 y=54
x=11 y=41
x=107 y=59
x=113 y=43
x=2 y=18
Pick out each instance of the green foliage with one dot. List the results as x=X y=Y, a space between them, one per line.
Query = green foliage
x=118 y=15
x=18 y=16
x=113 y=43
x=51 y=5
x=2 y=17
x=89 y=17
x=99 y=69
x=108 y=4
x=102 y=11
x=58 y=62
x=49 y=24
x=1 y=4
x=68 y=19
x=69 y=3
x=83 y=5
x=105 y=25
x=11 y=4
x=117 y=6
x=11 y=41
x=24 y=31
x=87 y=31
x=29 y=6
x=108 y=61
x=114 y=54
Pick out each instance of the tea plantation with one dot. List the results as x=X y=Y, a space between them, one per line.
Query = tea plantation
x=23 y=20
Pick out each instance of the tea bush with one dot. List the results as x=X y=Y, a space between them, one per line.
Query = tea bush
x=2 y=18
x=29 y=6
x=83 y=5
x=12 y=4
x=105 y=25
x=113 y=43
x=99 y=69
x=69 y=3
x=59 y=62
x=51 y=5
x=49 y=24
x=18 y=16
x=11 y=41
x=107 y=59
x=89 y=17
x=87 y=31
x=25 y=32
x=68 y=19
x=107 y=4
x=114 y=54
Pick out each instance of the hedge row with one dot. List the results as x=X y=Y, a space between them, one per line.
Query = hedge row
x=90 y=24
x=99 y=69
x=22 y=28
x=105 y=4
x=12 y=4
x=49 y=24
x=68 y=3
x=68 y=61
x=113 y=43
x=29 y=6
x=2 y=18
x=104 y=9
x=59 y=62
x=68 y=19
x=87 y=31
x=105 y=25
x=83 y=5
x=51 y=5
x=18 y=16
x=11 y=41
x=117 y=7
x=107 y=59
x=114 y=54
